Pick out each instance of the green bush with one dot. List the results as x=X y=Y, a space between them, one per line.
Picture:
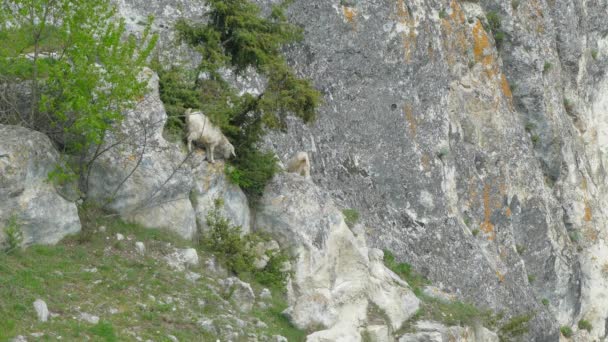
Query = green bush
x=14 y=236
x=238 y=36
x=566 y=331
x=545 y=302
x=82 y=71
x=351 y=216
x=236 y=251
x=405 y=271
x=516 y=326
x=585 y=325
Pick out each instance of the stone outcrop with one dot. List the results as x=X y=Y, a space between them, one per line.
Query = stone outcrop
x=427 y=331
x=337 y=278
x=27 y=197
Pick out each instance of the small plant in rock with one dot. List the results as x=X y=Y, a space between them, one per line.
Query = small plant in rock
x=535 y=139
x=516 y=326
x=566 y=331
x=594 y=54
x=14 y=236
x=515 y=4
x=520 y=249
x=545 y=302
x=443 y=152
x=530 y=126
x=585 y=325
x=406 y=272
x=574 y=236
x=531 y=278
x=475 y=232
x=568 y=106
x=443 y=14
x=547 y=67
x=351 y=217
x=236 y=250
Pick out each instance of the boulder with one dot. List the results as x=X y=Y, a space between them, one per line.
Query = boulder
x=26 y=195
x=336 y=276
x=41 y=310
x=240 y=292
x=182 y=258
x=142 y=176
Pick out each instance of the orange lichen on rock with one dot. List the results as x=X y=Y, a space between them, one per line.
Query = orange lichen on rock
x=411 y=120
x=506 y=88
x=457 y=13
x=587 y=217
x=487 y=226
x=508 y=212
x=501 y=277
x=409 y=37
x=349 y=14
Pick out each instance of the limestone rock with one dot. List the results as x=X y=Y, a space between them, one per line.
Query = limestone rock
x=210 y=183
x=182 y=258
x=41 y=310
x=89 y=318
x=240 y=292
x=428 y=331
x=42 y=215
x=336 y=276
x=142 y=176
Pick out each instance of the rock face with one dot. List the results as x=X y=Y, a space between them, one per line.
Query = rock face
x=483 y=167
x=336 y=277
x=427 y=331
x=155 y=183
x=41 y=214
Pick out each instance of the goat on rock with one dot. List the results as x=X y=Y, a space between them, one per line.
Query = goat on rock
x=201 y=129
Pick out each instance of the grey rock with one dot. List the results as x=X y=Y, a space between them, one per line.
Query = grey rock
x=335 y=274
x=279 y=338
x=240 y=292
x=378 y=333
x=180 y=259
x=19 y=338
x=41 y=310
x=140 y=247
x=89 y=318
x=142 y=176
x=428 y=331
x=43 y=216
x=265 y=294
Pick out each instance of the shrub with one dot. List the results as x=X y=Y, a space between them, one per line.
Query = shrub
x=442 y=14
x=405 y=271
x=239 y=37
x=585 y=325
x=351 y=216
x=594 y=54
x=545 y=302
x=226 y=242
x=14 y=236
x=546 y=67
x=566 y=331
x=520 y=249
x=515 y=4
x=516 y=326
x=531 y=278
x=535 y=139
x=475 y=232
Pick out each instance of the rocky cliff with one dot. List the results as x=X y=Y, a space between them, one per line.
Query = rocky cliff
x=470 y=136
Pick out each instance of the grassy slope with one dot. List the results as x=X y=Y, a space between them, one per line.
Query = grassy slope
x=138 y=287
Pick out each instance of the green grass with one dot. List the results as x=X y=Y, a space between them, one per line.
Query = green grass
x=585 y=325
x=566 y=331
x=135 y=286
x=351 y=217
x=406 y=272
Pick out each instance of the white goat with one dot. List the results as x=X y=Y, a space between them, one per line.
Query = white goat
x=201 y=129
x=299 y=164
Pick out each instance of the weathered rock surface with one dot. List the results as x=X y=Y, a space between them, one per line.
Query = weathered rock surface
x=41 y=214
x=481 y=167
x=336 y=277
x=42 y=310
x=427 y=331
